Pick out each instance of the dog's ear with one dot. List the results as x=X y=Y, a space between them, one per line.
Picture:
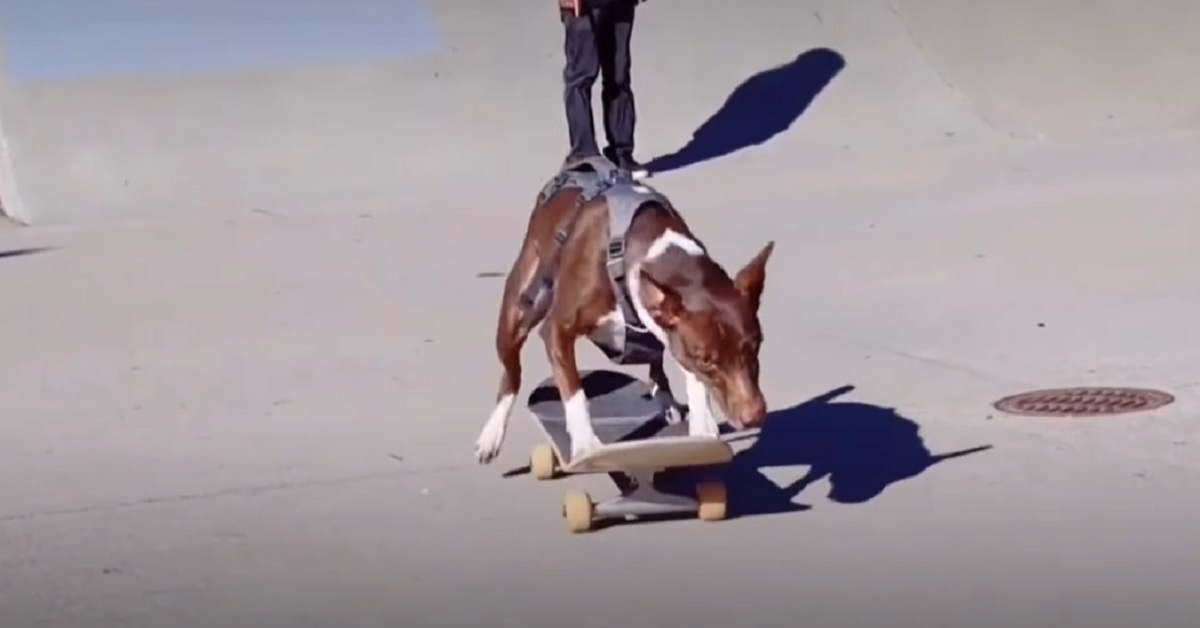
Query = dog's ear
x=751 y=278
x=663 y=303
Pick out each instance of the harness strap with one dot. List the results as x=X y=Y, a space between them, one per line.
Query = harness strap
x=590 y=185
x=617 y=274
x=637 y=344
x=625 y=199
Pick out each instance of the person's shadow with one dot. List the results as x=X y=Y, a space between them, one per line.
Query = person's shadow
x=762 y=107
x=862 y=449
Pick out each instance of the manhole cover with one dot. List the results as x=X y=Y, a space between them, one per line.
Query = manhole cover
x=1084 y=401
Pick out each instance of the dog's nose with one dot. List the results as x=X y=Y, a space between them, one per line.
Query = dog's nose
x=754 y=412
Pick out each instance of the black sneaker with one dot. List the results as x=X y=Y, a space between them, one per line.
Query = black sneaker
x=574 y=159
x=636 y=170
x=627 y=163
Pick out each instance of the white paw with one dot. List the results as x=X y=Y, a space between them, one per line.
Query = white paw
x=487 y=446
x=584 y=446
x=579 y=426
x=701 y=422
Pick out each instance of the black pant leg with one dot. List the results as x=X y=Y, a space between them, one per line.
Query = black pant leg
x=579 y=74
x=614 y=30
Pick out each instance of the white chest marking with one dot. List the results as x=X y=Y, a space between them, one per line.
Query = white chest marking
x=670 y=238
x=666 y=240
x=610 y=330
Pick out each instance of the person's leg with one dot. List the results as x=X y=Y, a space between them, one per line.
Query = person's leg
x=580 y=72
x=614 y=31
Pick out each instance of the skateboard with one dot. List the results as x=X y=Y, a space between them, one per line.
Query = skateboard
x=639 y=449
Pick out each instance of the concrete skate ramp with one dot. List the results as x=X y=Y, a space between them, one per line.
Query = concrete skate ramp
x=160 y=109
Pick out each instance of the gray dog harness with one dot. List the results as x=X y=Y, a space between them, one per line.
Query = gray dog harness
x=597 y=177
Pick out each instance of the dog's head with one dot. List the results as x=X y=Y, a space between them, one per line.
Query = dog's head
x=715 y=334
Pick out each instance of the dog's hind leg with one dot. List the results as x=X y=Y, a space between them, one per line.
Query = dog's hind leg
x=512 y=329
x=560 y=349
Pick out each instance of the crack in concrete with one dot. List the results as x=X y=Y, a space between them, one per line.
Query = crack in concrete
x=222 y=493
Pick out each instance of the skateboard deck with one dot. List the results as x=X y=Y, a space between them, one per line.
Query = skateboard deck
x=629 y=422
x=653 y=454
x=639 y=448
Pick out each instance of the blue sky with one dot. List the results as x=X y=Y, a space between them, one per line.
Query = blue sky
x=52 y=40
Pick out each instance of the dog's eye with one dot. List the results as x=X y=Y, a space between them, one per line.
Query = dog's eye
x=705 y=360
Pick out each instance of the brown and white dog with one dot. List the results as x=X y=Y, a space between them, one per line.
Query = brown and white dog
x=706 y=319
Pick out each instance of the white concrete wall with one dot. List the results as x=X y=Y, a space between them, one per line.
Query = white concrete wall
x=145 y=108
x=150 y=108
x=12 y=204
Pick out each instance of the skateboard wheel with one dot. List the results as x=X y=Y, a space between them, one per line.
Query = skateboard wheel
x=712 y=499
x=543 y=464
x=578 y=510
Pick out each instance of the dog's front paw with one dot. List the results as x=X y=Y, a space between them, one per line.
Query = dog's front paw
x=491 y=437
x=584 y=446
x=486 y=448
x=701 y=422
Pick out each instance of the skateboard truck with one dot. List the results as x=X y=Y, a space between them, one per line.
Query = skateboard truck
x=641 y=498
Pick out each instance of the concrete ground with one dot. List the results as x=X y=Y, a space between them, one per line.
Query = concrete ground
x=264 y=416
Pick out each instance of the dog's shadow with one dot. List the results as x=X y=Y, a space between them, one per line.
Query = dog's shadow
x=861 y=449
x=762 y=107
